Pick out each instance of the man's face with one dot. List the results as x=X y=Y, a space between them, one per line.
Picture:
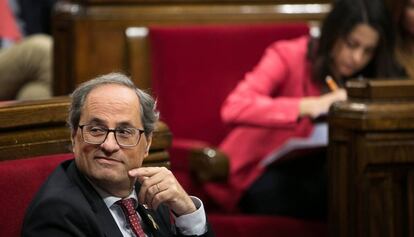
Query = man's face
x=110 y=106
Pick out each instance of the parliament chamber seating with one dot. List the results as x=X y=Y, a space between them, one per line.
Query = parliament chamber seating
x=193 y=70
x=82 y=31
x=34 y=139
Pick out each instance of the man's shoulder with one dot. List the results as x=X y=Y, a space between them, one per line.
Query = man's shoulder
x=58 y=202
x=60 y=179
x=59 y=190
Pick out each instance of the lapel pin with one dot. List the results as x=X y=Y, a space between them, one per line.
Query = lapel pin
x=152 y=221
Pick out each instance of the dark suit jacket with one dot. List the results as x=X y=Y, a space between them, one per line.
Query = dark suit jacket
x=68 y=205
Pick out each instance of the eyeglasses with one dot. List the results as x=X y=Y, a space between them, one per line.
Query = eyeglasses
x=125 y=137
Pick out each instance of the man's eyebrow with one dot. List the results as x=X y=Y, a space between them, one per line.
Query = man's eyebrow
x=97 y=121
x=124 y=124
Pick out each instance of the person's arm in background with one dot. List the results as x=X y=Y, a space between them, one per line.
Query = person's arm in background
x=251 y=102
x=319 y=105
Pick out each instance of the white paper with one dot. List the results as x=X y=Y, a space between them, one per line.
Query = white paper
x=318 y=138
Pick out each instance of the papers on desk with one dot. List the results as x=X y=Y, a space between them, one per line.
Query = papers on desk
x=296 y=146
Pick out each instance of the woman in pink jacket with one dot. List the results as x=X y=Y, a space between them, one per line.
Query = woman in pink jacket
x=279 y=99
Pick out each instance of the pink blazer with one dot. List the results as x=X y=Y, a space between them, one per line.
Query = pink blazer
x=264 y=109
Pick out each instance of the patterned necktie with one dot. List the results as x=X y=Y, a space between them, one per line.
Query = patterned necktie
x=131 y=215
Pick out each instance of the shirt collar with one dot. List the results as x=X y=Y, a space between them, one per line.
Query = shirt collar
x=110 y=199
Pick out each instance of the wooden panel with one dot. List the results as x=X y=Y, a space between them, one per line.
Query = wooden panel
x=385 y=148
x=137 y=56
x=372 y=140
x=386 y=196
x=63 y=52
x=410 y=194
x=338 y=164
x=377 y=196
x=25 y=113
x=97 y=31
x=401 y=89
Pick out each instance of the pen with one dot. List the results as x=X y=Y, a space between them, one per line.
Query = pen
x=331 y=83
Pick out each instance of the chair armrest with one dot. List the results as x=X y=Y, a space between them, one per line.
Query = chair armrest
x=205 y=163
x=208 y=164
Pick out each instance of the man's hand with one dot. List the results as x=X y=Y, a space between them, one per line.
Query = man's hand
x=158 y=185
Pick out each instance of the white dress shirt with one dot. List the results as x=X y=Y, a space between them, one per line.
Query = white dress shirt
x=191 y=224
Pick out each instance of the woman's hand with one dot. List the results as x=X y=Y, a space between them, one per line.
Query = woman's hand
x=317 y=106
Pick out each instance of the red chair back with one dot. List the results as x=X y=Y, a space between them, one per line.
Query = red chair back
x=195 y=67
x=19 y=182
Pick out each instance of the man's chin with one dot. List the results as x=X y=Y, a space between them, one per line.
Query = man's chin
x=110 y=175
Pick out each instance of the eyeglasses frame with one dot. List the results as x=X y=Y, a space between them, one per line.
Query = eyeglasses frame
x=108 y=130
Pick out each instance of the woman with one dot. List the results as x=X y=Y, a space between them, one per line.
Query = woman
x=278 y=100
x=403 y=19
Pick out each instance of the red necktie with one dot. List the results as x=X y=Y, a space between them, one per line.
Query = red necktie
x=131 y=215
x=8 y=25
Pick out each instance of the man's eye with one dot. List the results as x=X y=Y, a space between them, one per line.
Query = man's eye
x=97 y=130
x=126 y=132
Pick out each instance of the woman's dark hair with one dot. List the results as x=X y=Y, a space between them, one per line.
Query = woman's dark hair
x=339 y=23
x=403 y=45
x=397 y=9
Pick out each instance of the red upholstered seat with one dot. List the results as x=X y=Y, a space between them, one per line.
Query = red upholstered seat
x=193 y=70
x=19 y=181
x=195 y=67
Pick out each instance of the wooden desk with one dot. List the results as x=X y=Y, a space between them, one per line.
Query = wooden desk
x=371 y=161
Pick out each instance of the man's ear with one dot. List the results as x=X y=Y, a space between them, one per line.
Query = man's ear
x=72 y=140
x=148 y=145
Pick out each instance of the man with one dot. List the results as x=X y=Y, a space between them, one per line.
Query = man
x=112 y=124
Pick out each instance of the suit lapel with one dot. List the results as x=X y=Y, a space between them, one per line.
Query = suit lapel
x=106 y=222
x=109 y=226
x=154 y=226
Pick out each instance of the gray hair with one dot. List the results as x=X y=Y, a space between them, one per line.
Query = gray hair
x=149 y=113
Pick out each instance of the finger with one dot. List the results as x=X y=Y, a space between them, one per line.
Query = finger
x=176 y=198
x=146 y=192
x=157 y=194
x=145 y=171
x=150 y=195
x=147 y=189
x=168 y=192
x=157 y=188
x=160 y=197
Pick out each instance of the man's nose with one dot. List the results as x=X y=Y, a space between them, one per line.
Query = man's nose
x=110 y=144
